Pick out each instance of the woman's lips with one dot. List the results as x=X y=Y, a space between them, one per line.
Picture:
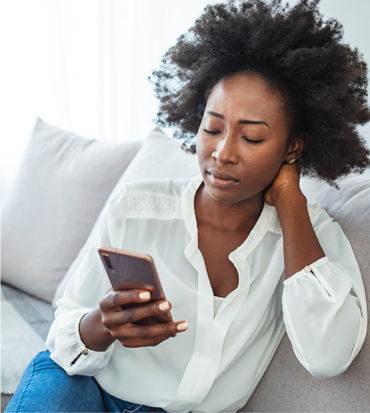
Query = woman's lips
x=220 y=182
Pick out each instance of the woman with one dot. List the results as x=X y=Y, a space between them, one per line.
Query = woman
x=269 y=93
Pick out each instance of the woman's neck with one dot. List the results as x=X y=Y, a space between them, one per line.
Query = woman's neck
x=228 y=217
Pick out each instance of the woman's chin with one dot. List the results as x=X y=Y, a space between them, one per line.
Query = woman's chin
x=236 y=195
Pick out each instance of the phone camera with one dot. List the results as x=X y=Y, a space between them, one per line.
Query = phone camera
x=107 y=261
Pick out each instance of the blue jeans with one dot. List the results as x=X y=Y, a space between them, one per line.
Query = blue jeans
x=46 y=387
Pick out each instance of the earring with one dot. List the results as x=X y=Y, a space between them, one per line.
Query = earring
x=292 y=161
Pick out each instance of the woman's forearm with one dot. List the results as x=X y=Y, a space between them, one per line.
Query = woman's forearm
x=301 y=246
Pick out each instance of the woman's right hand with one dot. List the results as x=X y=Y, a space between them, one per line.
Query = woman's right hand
x=119 y=322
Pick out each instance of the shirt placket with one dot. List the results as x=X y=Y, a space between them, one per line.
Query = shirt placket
x=210 y=333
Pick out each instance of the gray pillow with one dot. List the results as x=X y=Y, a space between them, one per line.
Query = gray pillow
x=159 y=157
x=60 y=188
x=286 y=386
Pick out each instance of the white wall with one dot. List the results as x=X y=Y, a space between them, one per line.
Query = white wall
x=79 y=65
x=354 y=15
x=82 y=65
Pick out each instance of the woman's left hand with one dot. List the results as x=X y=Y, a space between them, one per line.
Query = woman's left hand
x=285 y=182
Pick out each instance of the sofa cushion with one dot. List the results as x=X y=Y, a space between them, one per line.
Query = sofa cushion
x=60 y=188
x=159 y=157
x=286 y=386
x=25 y=323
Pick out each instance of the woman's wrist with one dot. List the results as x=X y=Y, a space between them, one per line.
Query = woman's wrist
x=93 y=333
x=289 y=196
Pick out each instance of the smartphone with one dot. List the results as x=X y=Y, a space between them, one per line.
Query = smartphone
x=128 y=270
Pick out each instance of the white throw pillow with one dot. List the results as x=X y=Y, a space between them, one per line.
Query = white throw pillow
x=60 y=188
x=159 y=157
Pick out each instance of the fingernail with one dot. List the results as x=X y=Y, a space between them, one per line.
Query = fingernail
x=144 y=296
x=164 y=306
x=182 y=326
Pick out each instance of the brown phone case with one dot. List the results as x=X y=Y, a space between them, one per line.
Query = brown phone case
x=128 y=270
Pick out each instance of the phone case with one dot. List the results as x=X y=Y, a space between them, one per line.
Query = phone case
x=128 y=270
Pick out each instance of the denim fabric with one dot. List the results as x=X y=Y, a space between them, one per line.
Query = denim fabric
x=46 y=387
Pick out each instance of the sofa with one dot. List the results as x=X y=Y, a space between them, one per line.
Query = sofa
x=53 y=209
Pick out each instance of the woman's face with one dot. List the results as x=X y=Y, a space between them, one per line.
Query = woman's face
x=243 y=133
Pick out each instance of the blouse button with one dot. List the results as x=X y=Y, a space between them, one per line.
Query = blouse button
x=307 y=268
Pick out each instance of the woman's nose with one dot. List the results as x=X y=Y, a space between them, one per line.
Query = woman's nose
x=226 y=151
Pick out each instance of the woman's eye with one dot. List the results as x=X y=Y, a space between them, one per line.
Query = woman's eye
x=251 y=141
x=212 y=132
x=244 y=137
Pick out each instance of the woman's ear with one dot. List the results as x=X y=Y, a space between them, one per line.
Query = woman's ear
x=296 y=147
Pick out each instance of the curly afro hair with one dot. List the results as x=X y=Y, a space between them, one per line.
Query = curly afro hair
x=323 y=81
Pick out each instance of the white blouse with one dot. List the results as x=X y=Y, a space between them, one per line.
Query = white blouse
x=216 y=304
x=214 y=365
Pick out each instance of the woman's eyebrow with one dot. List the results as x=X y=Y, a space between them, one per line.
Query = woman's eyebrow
x=241 y=121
